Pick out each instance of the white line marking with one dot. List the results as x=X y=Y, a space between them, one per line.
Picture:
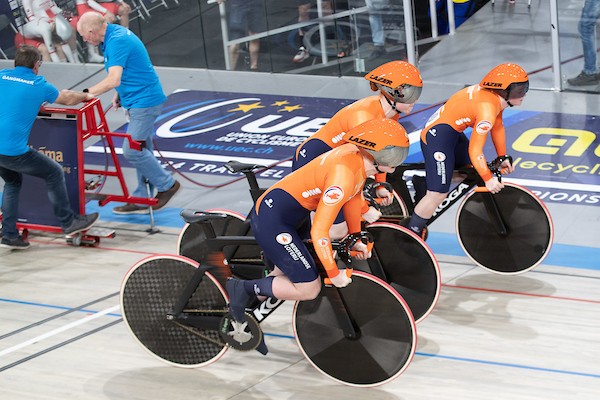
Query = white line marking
x=58 y=330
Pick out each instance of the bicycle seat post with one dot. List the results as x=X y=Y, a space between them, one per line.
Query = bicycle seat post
x=255 y=190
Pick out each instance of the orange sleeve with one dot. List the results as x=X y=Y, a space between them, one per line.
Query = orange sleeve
x=341 y=180
x=487 y=115
x=353 y=211
x=499 y=136
x=381 y=177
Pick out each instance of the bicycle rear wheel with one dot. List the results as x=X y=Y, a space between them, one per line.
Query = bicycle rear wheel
x=409 y=266
x=148 y=293
x=529 y=233
x=387 y=334
x=192 y=237
x=192 y=244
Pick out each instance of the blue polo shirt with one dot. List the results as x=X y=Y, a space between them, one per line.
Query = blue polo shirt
x=22 y=93
x=140 y=86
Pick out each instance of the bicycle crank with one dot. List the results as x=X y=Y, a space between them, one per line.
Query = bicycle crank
x=243 y=336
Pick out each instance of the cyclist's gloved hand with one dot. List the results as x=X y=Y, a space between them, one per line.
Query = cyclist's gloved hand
x=341 y=280
x=384 y=195
x=363 y=251
x=506 y=167
x=494 y=185
x=371 y=215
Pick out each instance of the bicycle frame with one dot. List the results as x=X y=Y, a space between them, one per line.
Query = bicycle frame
x=470 y=181
x=263 y=309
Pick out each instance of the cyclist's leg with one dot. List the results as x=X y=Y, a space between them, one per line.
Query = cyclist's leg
x=517 y=242
x=274 y=228
x=383 y=345
x=149 y=292
x=439 y=156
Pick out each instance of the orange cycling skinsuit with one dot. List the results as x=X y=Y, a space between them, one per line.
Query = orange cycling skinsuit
x=399 y=84
x=480 y=107
x=330 y=183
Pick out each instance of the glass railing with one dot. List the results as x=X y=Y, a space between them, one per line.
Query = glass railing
x=578 y=52
x=348 y=38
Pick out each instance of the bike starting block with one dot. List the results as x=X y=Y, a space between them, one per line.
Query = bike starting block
x=60 y=133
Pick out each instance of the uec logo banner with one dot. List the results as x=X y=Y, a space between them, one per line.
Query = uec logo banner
x=199 y=131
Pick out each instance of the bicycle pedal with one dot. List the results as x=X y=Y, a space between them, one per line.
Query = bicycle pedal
x=243 y=336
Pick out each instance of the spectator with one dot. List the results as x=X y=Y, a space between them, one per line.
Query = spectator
x=45 y=20
x=245 y=17
x=587 y=31
x=463 y=9
x=139 y=91
x=24 y=92
x=111 y=9
x=376 y=11
x=304 y=16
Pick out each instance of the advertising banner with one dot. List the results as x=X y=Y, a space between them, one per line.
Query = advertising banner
x=556 y=155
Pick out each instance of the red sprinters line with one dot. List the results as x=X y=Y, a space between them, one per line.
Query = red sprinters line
x=523 y=294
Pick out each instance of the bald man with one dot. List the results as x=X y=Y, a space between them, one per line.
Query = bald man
x=139 y=91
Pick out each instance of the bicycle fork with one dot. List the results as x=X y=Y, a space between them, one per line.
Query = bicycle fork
x=493 y=211
x=341 y=312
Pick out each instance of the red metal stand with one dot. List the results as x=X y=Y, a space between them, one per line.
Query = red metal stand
x=90 y=121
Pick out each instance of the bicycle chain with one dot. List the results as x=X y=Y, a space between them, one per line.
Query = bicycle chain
x=195 y=332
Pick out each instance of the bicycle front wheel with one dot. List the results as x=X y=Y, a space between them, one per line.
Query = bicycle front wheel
x=408 y=264
x=528 y=236
x=386 y=339
x=148 y=293
x=397 y=208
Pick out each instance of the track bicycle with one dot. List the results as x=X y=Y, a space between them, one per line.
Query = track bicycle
x=509 y=232
x=400 y=257
x=361 y=335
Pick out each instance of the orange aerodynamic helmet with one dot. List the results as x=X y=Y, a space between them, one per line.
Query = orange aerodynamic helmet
x=399 y=81
x=510 y=79
x=383 y=138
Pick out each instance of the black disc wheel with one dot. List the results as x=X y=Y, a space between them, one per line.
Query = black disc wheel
x=192 y=244
x=403 y=259
x=385 y=334
x=521 y=246
x=148 y=293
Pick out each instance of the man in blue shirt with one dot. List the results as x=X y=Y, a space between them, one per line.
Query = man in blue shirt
x=23 y=92
x=139 y=91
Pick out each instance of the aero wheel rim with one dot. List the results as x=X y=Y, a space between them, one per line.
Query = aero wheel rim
x=409 y=265
x=529 y=236
x=387 y=334
x=147 y=295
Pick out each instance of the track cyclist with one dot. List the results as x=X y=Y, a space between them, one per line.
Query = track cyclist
x=445 y=145
x=330 y=183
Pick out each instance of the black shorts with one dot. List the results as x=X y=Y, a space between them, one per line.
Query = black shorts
x=446 y=148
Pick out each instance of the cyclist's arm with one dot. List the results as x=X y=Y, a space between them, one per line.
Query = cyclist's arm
x=484 y=124
x=499 y=136
x=339 y=182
